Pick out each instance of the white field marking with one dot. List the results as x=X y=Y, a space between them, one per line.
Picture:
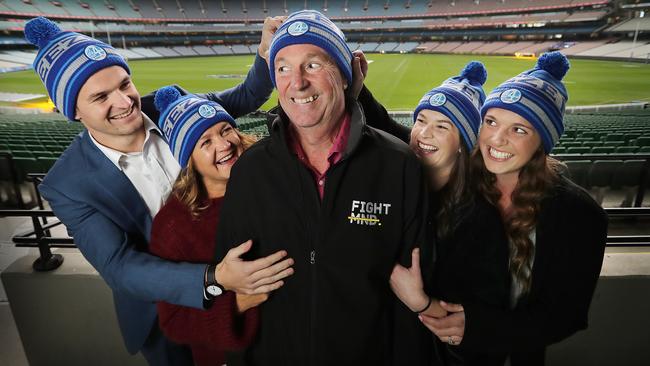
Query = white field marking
x=370 y=61
x=400 y=65
x=629 y=65
x=568 y=82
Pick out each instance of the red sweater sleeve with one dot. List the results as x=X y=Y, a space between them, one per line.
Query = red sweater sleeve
x=220 y=327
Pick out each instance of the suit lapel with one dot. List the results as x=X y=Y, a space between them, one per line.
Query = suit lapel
x=116 y=191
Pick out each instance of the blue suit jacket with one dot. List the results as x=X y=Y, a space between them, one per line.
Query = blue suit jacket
x=111 y=224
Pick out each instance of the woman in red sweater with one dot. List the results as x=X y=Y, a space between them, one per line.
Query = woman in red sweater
x=204 y=139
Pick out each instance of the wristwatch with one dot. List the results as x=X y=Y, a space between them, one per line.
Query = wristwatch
x=211 y=288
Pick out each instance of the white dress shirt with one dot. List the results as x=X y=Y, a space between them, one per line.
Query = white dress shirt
x=151 y=171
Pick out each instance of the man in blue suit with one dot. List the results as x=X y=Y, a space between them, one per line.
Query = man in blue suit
x=113 y=178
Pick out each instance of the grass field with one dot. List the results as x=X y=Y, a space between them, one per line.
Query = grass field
x=398 y=81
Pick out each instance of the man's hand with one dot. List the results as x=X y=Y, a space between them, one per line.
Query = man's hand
x=260 y=276
x=359 y=73
x=271 y=24
x=245 y=302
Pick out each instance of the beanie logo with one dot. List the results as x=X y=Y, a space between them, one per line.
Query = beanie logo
x=207 y=111
x=298 y=29
x=511 y=96
x=437 y=100
x=95 y=53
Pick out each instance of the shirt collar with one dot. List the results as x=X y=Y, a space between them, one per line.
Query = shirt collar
x=113 y=155
x=338 y=146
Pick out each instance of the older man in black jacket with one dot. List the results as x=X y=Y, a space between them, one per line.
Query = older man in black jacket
x=345 y=200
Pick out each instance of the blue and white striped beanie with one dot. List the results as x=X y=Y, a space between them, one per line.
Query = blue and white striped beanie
x=537 y=95
x=312 y=27
x=459 y=98
x=66 y=60
x=183 y=119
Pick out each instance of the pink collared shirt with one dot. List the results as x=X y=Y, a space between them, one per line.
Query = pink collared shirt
x=335 y=154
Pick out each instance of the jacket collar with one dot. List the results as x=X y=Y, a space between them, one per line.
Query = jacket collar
x=280 y=123
x=125 y=199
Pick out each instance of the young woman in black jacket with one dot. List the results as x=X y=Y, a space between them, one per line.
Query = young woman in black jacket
x=471 y=257
x=556 y=232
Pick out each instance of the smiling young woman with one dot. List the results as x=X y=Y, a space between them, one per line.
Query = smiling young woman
x=556 y=232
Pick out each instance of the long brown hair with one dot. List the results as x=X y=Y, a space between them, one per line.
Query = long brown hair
x=452 y=199
x=189 y=188
x=535 y=180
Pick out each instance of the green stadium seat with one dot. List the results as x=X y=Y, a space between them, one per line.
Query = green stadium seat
x=615 y=137
x=572 y=144
x=22 y=154
x=591 y=134
x=627 y=149
x=644 y=149
x=628 y=176
x=46 y=163
x=601 y=175
x=614 y=143
x=602 y=150
x=558 y=150
x=578 y=150
x=25 y=166
x=578 y=171
x=602 y=171
x=643 y=141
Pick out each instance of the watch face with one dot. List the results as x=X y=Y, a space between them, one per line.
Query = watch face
x=214 y=290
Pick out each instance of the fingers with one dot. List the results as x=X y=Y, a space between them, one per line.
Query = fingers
x=267 y=288
x=265 y=262
x=415 y=260
x=439 y=331
x=452 y=308
x=275 y=277
x=239 y=250
x=451 y=340
x=272 y=271
x=449 y=321
x=364 y=63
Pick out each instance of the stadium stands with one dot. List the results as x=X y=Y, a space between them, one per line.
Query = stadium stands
x=368 y=47
x=166 y=51
x=578 y=47
x=387 y=47
x=607 y=49
x=257 y=10
x=631 y=25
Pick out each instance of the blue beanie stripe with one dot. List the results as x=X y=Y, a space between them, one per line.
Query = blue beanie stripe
x=179 y=134
x=188 y=136
x=312 y=27
x=538 y=103
x=456 y=109
x=49 y=56
x=53 y=83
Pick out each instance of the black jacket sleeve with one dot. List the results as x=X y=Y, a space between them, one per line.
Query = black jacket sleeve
x=574 y=230
x=239 y=100
x=378 y=117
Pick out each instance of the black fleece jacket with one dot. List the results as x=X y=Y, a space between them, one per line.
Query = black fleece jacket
x=337 y=308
